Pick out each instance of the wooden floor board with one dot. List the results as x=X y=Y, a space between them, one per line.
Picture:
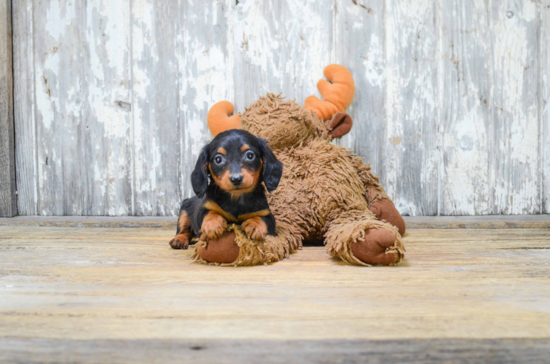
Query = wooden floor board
x=276 y=351
x=125 y=289
x=169 y=222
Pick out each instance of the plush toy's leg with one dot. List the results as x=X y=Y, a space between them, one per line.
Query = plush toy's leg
x=357 y=237
x=379 y=202
x=235 y=249
x=223 y=250
x=385 y=210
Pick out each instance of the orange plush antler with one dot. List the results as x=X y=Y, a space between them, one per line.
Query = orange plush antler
x=337 y=94
x=219 y=118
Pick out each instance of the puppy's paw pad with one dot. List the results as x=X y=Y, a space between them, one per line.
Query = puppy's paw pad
x=254 y=228
x=180 y=242
x=213 y=228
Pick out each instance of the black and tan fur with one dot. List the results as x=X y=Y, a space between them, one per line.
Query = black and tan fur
x=227 y=181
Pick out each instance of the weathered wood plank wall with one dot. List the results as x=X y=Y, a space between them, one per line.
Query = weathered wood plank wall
x=464 y=108
x=111 y=96
x=544 y=105
x=8 y=201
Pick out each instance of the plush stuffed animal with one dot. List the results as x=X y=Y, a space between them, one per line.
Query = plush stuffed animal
x=326 y=192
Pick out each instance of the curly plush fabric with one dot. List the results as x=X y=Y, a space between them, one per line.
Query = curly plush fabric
x=325 y=192
x=252 y=252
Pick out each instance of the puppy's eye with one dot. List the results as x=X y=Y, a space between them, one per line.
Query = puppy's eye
x=218 y=159
x=250 y=156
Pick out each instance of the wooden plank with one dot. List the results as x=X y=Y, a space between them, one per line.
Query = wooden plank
x=413 y=222
x=155 y=71
x=515 y=107
x=8 y=199
x=82 y=121
x=545 y=104
x=359 y=37
x=180 y=67
x=411 y=94
x=280 y=46
x=24 y=107
x=206 y=68
x=59 y=85
x=127 y=284
x=161 y=222
x=464 y=108
x=479 y=222
x=107 y=105
x=276 y=351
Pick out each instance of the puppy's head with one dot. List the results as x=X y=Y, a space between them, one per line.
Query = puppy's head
x=236 y=161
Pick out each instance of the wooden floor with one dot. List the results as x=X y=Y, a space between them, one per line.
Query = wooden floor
x=71 y=294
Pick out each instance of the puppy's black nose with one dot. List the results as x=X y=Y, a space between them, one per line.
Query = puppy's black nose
x=236 y=180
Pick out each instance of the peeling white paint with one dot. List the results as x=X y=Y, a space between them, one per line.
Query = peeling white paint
x=374 y=62
x=60 y=15
x=211 y=72
x=515 y=107
x=452 y=122
x=410 y=106
x=298 y=50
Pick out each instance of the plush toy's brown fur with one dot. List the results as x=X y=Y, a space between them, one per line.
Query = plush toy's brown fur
x=326 y=192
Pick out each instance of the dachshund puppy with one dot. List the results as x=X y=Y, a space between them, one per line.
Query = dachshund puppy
x=227 y=181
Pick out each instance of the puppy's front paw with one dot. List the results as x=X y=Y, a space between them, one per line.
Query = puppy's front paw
x=180 y=242
x=254 y=228
x=213 y=226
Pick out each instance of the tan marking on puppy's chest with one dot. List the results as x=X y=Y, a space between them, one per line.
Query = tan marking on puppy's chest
x=260 y=213
x=212 y=206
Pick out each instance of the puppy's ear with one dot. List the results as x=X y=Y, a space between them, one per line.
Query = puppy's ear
x=199 y=177
x=272 y=169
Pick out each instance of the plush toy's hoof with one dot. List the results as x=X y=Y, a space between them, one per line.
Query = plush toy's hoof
x=385 y=210
x=221 y=250
x=373 y=249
